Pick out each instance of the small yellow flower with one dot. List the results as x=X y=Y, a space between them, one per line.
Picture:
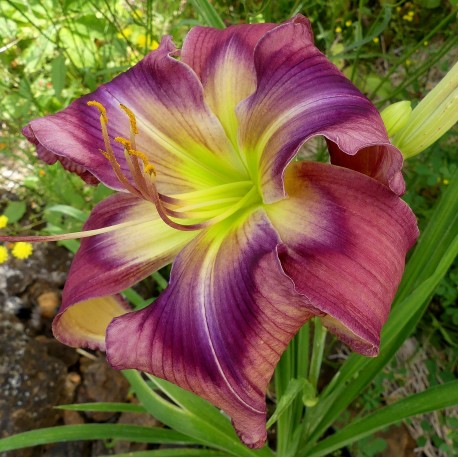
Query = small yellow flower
x=125 y=33
x=348 y=23
x=376 y=40
x=22 y=250
x=398 y=9
x=154 y=45
x=3 y=254
x=42 y=173
x=445 y=181
x=407 y=18
x=408 y=62
x=425 y=43
x=411 y=13
x=141 y=40
x=338 y=29
x=3 y=221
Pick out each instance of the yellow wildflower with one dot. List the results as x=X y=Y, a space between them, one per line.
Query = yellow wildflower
x=376 y=40
x=154 y=45
x=22 y=250
x=338 y=29
x=125 y=33
x=445 y=181
x=3 y=254
x=3 y=221
x=141 y=40
x=348 y=23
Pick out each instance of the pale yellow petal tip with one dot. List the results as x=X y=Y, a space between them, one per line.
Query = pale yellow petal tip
x=3 y=254
x=22 y=250
x=396 y=116
x=3 y=221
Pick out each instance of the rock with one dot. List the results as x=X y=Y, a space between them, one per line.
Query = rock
x=72 y=417
x=131 y=418
x=48 y=303
x=101 y=383
x=31 y=381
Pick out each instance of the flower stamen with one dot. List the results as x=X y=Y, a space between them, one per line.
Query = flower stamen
x=211 y=206
x=108 y=153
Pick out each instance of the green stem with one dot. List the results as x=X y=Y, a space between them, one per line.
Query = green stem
x=283 y=374
x=319 y=337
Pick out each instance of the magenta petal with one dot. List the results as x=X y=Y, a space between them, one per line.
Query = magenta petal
x=220 y=327
x=383 y=163
x=299 y=94
x=108 y=263
x=223 y=60
x=345 y=240
x=177 y=131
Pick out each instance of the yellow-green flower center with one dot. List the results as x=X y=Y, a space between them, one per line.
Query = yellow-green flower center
x=186 y=211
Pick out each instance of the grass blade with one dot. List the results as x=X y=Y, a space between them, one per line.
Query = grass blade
x=176 y=452
x=131 y=433
x=435 y=398
x=208 y=13
x=103 y=407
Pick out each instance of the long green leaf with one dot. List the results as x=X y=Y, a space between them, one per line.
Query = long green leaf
x=194 y=404
x=208 y=13
x=103 y=407
x=295 y=386
x=130 y=433
x=187 y=422
x=435 y=398
x=176 y=452
x=69 y=211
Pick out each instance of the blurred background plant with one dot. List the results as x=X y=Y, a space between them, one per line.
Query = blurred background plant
x=53 y=51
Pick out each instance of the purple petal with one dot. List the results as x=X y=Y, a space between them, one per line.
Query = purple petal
x=181 y=137
x=345 y=240
x=223 y=60
x=109 y=263
x=301 y=94
x=220 y=327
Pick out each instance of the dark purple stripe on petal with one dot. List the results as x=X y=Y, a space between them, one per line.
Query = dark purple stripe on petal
x=220 y=327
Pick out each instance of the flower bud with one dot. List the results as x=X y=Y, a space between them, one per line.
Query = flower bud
x=431 y=118
x=396 y=116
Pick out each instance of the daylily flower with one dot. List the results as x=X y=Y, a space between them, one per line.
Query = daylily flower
x=200 y=145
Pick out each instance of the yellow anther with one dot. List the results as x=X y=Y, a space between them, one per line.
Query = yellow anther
x=105 y=154
x=132 y=119
x=150 y=170
x=101 y=108
x=140 y=155
x=124 y=142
